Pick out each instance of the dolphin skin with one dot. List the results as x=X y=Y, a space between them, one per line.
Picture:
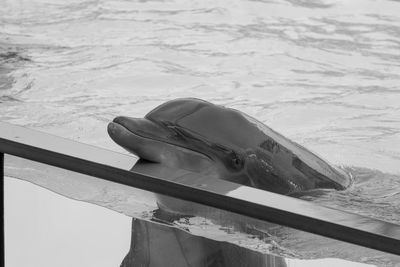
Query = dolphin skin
x=199 y=136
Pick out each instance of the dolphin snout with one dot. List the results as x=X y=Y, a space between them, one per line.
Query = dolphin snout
x=152 y=142
x=131 y=124
x=143 y=127
x=112 y=129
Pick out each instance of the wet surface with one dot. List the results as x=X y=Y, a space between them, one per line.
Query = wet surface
x=325 y=74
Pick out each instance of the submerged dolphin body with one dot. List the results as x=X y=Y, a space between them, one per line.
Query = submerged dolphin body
x=199 y=136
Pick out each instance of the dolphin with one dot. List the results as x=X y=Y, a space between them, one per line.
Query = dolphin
x=202 y=137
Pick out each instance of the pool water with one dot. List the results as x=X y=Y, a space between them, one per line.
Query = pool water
x=325 y=74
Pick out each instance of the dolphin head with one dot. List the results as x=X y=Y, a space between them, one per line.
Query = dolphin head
x=187 y=134
x=199 y=136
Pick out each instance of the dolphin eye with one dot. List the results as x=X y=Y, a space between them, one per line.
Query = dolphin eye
x=237 y=162
x=232 y=159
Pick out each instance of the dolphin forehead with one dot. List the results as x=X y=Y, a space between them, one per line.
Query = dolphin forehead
x=210 y=122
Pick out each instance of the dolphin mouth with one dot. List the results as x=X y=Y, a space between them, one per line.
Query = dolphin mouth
x=153 y=142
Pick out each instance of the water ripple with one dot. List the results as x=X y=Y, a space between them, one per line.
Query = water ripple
x=325 y=73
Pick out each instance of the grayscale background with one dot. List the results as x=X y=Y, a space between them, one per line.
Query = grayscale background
x=325 y=74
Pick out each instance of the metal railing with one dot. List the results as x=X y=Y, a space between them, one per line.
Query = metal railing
x=259 y=204
x=2 y=207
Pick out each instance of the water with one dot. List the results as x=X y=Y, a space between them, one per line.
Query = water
x=323 y=73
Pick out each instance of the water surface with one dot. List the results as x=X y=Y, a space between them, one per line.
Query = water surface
x=323 y=73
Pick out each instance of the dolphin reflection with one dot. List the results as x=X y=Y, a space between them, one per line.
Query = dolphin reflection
x=156 y=244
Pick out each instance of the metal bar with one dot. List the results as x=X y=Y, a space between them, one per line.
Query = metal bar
x=259 y=204
x=2 y=205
